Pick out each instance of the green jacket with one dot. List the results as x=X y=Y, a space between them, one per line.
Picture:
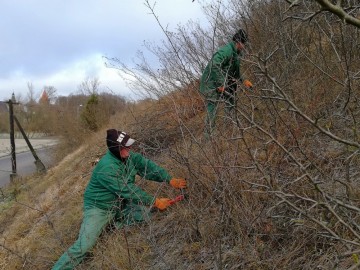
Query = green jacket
x=224 y=65
x=112 y=179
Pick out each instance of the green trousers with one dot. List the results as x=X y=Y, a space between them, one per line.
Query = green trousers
x=94 y=222
x=212 y=104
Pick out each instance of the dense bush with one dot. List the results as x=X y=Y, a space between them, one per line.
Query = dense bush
x=276 y=187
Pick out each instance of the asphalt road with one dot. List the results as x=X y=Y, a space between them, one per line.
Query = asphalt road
x=24 y=164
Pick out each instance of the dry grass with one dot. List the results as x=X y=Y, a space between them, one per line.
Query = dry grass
x=228 y=222
x=45 y=214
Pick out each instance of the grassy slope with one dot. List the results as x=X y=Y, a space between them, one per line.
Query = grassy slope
x=41 y=215
x=223 y=225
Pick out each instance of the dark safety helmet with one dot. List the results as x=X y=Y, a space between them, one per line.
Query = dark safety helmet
x=240 y=36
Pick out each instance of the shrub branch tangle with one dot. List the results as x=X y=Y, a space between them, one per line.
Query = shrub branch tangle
x=278 y=185
x=292 y=145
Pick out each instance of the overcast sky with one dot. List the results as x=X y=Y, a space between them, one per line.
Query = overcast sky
x=61 y=43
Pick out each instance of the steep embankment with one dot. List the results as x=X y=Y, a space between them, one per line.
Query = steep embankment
x=39 y=210
x=250 y=205
x=41 y=215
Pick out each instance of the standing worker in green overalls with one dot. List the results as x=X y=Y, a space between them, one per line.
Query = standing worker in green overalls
x=220 y=77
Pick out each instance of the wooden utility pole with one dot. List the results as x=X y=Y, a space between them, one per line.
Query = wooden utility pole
x=38 y=163
x=11 y=102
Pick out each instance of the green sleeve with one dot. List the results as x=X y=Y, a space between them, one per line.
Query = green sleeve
x=149 y=169
x=220 y=60
x=119 y=184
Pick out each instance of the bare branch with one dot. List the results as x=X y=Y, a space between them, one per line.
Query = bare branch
x=338 y=11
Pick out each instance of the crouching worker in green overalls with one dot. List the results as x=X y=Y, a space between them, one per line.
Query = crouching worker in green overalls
x=112 y=195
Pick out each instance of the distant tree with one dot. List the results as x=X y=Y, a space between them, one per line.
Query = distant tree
x=31 y=100
x=111 y=104
x=4 y=118
x=71 y=103
x=89 y=86
x=89 y=115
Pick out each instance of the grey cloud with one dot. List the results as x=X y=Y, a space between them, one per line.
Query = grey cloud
x=45 y=37
x=39 y=38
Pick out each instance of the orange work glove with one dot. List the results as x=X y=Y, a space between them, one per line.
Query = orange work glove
x=162 y=203
x=178 y=183
x=221 y=89
x=248 y=84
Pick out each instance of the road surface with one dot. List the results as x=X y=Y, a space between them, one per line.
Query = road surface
x=24 y=159
x=24 y=164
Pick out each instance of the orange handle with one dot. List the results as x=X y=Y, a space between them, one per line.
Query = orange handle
x=177 y=199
